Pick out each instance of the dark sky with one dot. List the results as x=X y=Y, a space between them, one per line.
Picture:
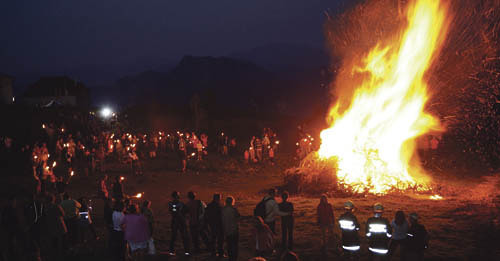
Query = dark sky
x=59 y=35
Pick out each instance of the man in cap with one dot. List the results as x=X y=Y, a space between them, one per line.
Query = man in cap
x=418 y=239
x=379 y=232
x=349 y=226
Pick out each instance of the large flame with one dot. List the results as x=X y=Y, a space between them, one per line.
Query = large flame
x=373 y=140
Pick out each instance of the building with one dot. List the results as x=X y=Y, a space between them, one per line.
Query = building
x=6 y=91
x=58 y=90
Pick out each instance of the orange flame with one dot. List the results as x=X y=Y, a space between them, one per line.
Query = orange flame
x=374 y=139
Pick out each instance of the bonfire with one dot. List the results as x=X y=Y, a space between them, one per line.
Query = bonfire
x=370 y=144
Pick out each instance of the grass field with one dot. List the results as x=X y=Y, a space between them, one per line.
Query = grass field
x=462 y=226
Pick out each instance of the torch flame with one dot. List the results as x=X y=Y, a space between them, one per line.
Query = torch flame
x=54 y=164
x=139 y=195
x=373 y=140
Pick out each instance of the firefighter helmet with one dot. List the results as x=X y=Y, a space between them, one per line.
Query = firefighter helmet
x=378 y=207
x=348 y=205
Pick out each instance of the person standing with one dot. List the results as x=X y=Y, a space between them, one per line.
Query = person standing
x=54 y=228
x=117 y=239
x=136 y=232
x=400 y=232
x=178 y=211
x=286 y=222
x=418 y=239
x=326 y=218
x=118 y=188
x=349 y=226
x=71 y=209
x=196 y=210
x=379 y=232
x=103 y=188
x=271 y=210
x=183 y=153
x=230 y=217
x=213 y=218
x=147 y=212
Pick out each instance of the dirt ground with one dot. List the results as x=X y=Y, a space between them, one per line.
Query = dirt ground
x=462 y=226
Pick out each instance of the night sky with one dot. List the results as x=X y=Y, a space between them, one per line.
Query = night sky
x=58 y=36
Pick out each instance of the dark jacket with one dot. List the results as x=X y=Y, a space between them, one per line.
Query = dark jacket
x=417 y=237
x=178 y=210
x=349 y=226
x=286 y=207
x=213 y=214
x=378 y=232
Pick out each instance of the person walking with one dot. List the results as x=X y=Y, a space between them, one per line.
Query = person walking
x=178 y=211
x=400 y=232
x=196 y=210
x=326 y=219
x=230 y=217
x=349 y=226
x=287 y=222
x=378 y=232
x=418 y=239
x=213 y=218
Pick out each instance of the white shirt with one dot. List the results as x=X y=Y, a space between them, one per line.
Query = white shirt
x=118 y=220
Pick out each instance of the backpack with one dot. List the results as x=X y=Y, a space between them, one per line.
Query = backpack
x=260 y=209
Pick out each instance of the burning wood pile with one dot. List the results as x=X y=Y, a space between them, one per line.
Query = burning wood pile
x=396 y=60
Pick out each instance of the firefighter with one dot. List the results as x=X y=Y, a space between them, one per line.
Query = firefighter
x=349 y=227
x=378 y=232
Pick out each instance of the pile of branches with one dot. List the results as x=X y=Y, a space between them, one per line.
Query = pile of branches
x=313 y=176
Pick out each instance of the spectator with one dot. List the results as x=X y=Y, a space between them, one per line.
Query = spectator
x=230 y=216
x=117 y=239
x=326 y=219
x=118 y=188
x=103 y=188
x=71 y=209
x=85 y=221
x=183 y=153
x=147 y=212
x=264 y=238
x=196 y=210
x=418 y=239
x=400 y=230
x=272 y=210
x=136 y=232
x=178 y=211
x=54 y=229
x=213 y=218
x=286 y=222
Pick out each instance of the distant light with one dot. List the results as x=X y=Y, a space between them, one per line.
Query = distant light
x=106 y=112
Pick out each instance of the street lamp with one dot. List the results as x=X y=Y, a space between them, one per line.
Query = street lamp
x=106 y=112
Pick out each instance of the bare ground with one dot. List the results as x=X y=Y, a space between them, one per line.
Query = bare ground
x=463 y=226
